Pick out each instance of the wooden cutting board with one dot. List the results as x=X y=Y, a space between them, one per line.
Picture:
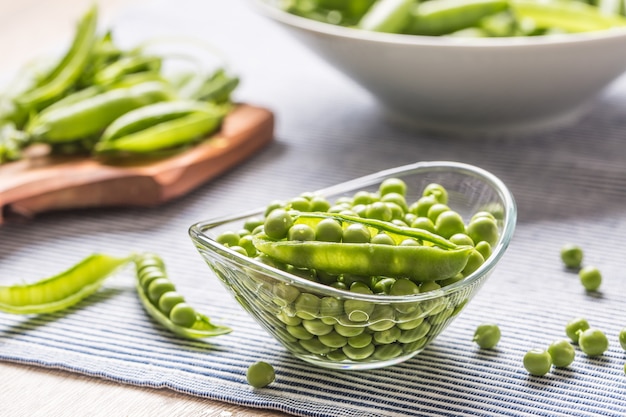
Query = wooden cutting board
x=46 y=183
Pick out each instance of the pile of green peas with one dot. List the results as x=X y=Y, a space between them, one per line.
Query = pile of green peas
x=341 y=328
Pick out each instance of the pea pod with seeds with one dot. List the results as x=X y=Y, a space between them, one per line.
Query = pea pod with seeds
x=161 y=301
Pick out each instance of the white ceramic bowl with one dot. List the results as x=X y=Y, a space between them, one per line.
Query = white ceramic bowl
x=469 y=84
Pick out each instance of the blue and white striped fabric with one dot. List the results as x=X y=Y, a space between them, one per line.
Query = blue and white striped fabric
x=570 y=185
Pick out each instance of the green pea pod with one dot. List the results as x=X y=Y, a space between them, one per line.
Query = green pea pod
x=166 y=135
x=421 y=263
x=76 y=97
x=569 y=16
x=149 y=116
x=217 y=89
x=69 y=69
x=387 y=16
x=92 y=115
x=440 y=17
x=150 y=268
x=60 y=291
x=127 y=65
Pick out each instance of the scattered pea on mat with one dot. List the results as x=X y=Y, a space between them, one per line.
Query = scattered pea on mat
x=593 y=342
x=537 y=362
x=574 y=326
x=622 y=338
x=562 y=353
x=487 y=335
x=260 y=374
x=590 y=278
x=572 y=256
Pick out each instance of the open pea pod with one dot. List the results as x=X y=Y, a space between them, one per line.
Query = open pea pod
x=150 y=275
x=435 y=260
x=62 y=290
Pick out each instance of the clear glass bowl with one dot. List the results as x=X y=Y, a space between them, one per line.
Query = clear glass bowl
x=297 y=312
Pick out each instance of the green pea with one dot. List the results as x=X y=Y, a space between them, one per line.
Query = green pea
x=333 y=340
x=414 y=346
x=319 y=203
x=330 y=309
x=229 y=238
x=593 y=342
x=562 y=353
x=285 y=294
x=487 y=335
x=379 y=210
x=239 y=250
x=392 y=185
x=317 y=327
x=246 y=243
x=358 y=310
x=314 y=346
x=435 y=210
x=299 y=332
x=382 y=318
x=386 y=352
x=397 y=199
x=574 y=326
x=622 y=338
x=537 y=362
x=252 y=223
x=387 y=336
x=158 y=287
x=429 y=286
x=360 y=340
x=461 y=239
x=437 y=191
x=415 y=334
x=299 y=204
x=358 y=354
x=590 y=278
x=362 y=197
x=423 y=205
x=273 y=205
x=356 y=233
x=328 y=230
x=383 y=285
x=301 y=232
x=572 y=255
x=383 y=239
x=307 y=306
x=410 y=324
x=260 y=374
x=410 y=242
x=423 y=223
x=484 y=248
x=287 y=319
x=474 y=262
x=183 y=315
x=483 y=229
x=397 y=212
x=348 y=331
x=168 y=300
x=336 y=355
x=277 y=224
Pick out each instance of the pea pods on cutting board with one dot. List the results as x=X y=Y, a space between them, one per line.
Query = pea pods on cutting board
x=161 y=126
x=91 y=115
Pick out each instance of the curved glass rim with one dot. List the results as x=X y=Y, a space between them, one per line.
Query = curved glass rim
x=300 y=22
x=197 y=232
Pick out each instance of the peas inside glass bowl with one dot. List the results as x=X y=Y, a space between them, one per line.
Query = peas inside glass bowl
x=358 y=321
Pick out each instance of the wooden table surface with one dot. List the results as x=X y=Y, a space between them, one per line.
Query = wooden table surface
x=27 y=29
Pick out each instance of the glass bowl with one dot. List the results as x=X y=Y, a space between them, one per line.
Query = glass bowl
x=310 y=318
